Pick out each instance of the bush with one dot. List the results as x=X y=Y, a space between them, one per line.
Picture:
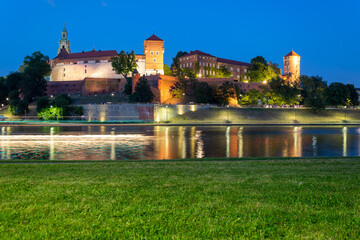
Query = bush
x=52 y=113
x=42 y=103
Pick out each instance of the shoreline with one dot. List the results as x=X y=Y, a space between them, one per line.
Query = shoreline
x=59 y=124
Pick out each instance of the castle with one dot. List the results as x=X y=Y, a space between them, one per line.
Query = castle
x=67 y=66
x=91 y=72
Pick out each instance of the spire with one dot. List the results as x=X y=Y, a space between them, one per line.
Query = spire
x=64 y=42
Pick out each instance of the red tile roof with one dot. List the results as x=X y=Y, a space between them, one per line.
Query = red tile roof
x=223 y=60
x=198 y=53
x=65 y=55
x=292 y=53
x=154 y=38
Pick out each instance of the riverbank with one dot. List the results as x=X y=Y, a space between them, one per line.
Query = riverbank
x=301 y=198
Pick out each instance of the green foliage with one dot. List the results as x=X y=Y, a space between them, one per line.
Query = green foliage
x=128 y=86
x=3 y=92
x=124 y=63
x=42 y=103
x=167 y=70
x=175 y=66
x=52 y=113
x=313 y=92
x=186 y=73
x=353 y=96
x=253 y=97
x=203 y=93
x=13 y=81
x=18 y=107
x=36 y=68
x=13 y=102
x=224 y=92
x=62 y=101
x=223 y=72
x=261 y=71
x=281 y=93
x=178 y=89
x=143 y=92
x=340 y=94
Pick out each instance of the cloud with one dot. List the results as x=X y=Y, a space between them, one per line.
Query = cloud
x=51 y=2
x=104 y=4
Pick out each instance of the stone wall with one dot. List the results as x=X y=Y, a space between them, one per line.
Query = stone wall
x=118 y=112
x=166 y=112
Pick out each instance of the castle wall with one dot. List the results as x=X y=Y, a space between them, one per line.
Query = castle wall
x=91 y=69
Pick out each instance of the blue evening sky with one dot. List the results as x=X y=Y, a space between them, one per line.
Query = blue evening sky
x=325 y=33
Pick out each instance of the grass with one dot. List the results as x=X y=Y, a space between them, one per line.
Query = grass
x=302 y=198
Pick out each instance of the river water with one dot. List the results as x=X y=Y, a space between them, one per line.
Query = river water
x=176 y=142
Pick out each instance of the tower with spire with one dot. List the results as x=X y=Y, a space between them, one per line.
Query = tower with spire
x=64 y=42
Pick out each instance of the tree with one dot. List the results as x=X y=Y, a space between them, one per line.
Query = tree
x=253 y=97
x=336 y=94
x=178 y=89
x=224 y=72
x=313 y=92
x=280 y=93
x=353 y=96
x=124 y=63
x=36 y=68
x=261 y=71
x=167 y=70
x=142 y=92
x=128 y=86
x=224 y=92
x=42 y=103
x=13 y=81
x=175 y=66
x=203 y=92
x=3 y=92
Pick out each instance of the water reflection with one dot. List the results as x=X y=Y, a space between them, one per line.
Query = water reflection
x=166 y=142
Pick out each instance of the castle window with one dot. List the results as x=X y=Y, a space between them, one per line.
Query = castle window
x=64 y=69
x=85 y=71
x=190 y=64
x=231 y=69
x=151 y=53
x=154 y=59
x=85 y=66
x=238 y=70
x=64 y=74
x=157 y=52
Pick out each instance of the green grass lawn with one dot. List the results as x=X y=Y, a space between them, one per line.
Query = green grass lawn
x=316 y=199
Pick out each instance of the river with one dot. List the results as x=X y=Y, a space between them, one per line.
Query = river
x=176 y=142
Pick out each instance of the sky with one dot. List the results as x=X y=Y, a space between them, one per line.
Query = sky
x=326 y=34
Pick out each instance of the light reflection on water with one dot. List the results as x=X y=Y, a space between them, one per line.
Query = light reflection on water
x=176 y=142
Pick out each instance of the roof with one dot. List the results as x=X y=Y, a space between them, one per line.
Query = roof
x=198 y=53
x=292 y=53
x=223 y=60
x=65 y=55
x=154 y=38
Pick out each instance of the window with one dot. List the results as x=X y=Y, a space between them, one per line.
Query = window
x=187 y=64
x=154 y=59
x=238 y=76
x=85 y=66
x=190 y=64
x=238 y=70
x=151 y=53
x=85 y=71
x=64 y=69
x=245 y=70
x=245 y=77
x=157 y=52
x=64 y=74
x=231 y=69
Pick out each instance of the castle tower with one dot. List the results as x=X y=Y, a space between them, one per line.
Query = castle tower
x=292 y=68
x=154 y=55
x=64 y=41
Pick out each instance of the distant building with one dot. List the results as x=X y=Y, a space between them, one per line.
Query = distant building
x=67 y=66
x=292 y=68
x=207 y=66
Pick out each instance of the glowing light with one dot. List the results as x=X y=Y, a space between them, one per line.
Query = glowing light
x=345 y=130
x=193 y=108
x=265 y=82
x=246 y=81
x=180 y=109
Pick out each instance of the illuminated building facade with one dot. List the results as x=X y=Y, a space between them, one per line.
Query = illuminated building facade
x=292 y=68
x=207 y=66
x=67 y=66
